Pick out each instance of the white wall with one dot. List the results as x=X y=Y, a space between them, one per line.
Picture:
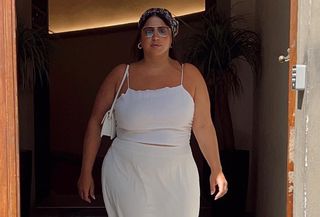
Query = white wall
x=307 y=148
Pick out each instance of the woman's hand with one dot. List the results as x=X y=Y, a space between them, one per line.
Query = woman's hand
x=86 y=187
x=222 y=183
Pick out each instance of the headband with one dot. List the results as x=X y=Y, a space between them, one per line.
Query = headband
x=161 y=13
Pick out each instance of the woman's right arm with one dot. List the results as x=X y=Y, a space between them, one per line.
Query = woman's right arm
x=103 y=101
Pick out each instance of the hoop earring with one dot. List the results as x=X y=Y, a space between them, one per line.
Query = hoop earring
x=139 y=46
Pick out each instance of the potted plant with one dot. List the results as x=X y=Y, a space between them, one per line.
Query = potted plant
x=32 y=68
x=214 y=49
x=32 y=56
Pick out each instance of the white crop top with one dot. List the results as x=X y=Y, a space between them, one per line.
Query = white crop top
x=161 y=116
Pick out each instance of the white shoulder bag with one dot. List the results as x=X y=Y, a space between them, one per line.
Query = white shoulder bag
x=108 y=122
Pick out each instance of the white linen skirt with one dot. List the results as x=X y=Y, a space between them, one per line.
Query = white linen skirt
x=142 y=180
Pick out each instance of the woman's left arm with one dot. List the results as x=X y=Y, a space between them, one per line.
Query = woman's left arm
x=205 y=133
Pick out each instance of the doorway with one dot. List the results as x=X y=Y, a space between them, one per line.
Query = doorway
x=263 y=133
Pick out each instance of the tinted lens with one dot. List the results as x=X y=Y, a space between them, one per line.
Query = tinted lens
x=148 y=31
x=163 y=31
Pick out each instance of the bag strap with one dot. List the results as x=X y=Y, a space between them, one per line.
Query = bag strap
x=115 y=98
x=124 y=77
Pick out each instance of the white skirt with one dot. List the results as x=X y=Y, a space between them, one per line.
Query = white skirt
x=141 y=180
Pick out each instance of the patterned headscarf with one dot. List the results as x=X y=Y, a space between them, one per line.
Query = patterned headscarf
x=162 y=13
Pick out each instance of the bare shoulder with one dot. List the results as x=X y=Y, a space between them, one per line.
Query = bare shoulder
x=113 y=78
x=192 y=71
x=107 y=90
x=117 y=72
x=192 y=75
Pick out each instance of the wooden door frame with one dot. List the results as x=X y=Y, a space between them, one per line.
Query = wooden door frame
x=9 y=144
x=291 y=105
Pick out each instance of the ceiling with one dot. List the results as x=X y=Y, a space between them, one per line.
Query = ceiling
x=73 y=15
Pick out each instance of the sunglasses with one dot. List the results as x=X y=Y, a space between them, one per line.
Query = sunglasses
x=163 y=31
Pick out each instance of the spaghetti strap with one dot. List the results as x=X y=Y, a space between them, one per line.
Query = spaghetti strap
x=128 y=75
x=181 y=74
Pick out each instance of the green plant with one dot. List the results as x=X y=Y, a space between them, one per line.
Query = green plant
x=32 y=56
x=214 y=49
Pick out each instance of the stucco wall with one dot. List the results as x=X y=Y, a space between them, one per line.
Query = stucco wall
x=307 y=148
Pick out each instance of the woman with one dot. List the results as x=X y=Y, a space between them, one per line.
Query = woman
x=149 y=169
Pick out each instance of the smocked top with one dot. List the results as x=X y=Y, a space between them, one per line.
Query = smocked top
x=155 y=116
